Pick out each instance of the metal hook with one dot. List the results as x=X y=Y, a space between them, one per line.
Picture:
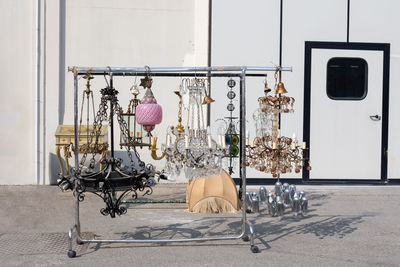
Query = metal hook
x=108 y=85
x=148 y=71
x=135 y=81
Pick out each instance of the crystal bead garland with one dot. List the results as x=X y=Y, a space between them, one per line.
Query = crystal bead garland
x=228 y=128
x=193 y=149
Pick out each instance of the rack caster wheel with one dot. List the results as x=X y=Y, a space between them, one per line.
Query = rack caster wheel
x=79 y=242
x=246 y=238
x=71 y=253
x=254 y=249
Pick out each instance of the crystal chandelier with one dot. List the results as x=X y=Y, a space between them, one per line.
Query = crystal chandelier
x=192 y=148
x=269 y=151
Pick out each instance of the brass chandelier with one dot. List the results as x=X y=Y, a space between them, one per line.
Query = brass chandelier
x=270 y=152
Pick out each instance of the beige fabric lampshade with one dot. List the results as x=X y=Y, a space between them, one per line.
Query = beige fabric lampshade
x=216 y=194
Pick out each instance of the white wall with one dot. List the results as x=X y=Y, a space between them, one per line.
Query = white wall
x=17 y=104
x=248 y=33
x=86 y=33
x=243 y=33
x=133 y=33
x=377 y=21
x=164 y=33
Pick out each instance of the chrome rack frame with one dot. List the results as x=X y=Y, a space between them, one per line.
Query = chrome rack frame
x=230 y=71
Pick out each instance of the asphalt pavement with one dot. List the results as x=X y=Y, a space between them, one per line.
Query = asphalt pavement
x=345 y=226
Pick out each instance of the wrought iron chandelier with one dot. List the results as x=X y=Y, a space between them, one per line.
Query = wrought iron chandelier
x=269 y=151
x=113 y=175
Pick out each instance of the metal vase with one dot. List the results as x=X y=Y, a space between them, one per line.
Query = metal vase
x=271 y=205
x=248 y=202
x=255 y=204
x=280 y=206
x=263 y=194
x=285 y=186
x=286 y=197
x=292 y=189
x=296 y=205
x=304 y=204
x=278 y=188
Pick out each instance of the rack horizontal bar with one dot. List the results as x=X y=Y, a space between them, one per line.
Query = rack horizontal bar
x=113 y=70
x=176 y=74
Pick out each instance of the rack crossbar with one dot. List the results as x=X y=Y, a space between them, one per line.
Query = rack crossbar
x=103 y=70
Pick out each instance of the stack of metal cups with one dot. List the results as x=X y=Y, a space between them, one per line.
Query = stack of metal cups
x=283 y=196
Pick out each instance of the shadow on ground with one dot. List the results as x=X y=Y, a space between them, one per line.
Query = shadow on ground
x=267 y=229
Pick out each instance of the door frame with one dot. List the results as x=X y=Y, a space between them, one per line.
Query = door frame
x=385 y=48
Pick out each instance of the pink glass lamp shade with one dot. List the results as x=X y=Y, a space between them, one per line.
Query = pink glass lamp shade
x=148 y=113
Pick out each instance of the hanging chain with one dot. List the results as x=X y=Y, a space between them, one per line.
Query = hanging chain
x=97 y=125
x=124 y=130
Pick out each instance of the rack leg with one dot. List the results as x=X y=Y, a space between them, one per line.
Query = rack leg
x=71 y=253
x=253 y=247
x=77 y=222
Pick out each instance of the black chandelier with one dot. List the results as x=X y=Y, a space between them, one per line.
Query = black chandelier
x=112 y=175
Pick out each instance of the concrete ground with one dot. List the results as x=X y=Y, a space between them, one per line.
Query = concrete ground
x=345 y=226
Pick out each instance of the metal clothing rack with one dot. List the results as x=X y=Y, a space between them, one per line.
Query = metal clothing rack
x=232 y=71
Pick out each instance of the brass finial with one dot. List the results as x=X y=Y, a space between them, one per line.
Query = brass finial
x=179 y=127
x=88 y=77
x=281 y=88
x=207 y=100
x=147 y=81
x=266 y=88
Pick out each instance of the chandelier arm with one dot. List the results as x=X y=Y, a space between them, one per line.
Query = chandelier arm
x=80 y=119
x=109 y=169
x=94 y=110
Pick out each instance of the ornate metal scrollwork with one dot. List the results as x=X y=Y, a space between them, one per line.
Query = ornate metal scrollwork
x=114 y=175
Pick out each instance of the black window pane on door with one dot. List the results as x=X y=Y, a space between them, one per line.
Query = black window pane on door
x=347 y=78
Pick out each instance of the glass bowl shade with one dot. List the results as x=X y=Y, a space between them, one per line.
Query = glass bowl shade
x=148 y=115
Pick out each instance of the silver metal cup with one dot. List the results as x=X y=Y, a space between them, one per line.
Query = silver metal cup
x=285 y=186
x=255 y=204
x=286 y=197
x=278 y=188
x=304 y=204
x=280 y=207
x=263 y=194
x=248 y=202
x=302 y=194
x=271 y=206
x=296 y=205
x=292 y=189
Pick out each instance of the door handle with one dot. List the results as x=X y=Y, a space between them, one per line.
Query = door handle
x=375 y=117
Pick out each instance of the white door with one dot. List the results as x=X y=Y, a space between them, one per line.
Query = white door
x=345 y=141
